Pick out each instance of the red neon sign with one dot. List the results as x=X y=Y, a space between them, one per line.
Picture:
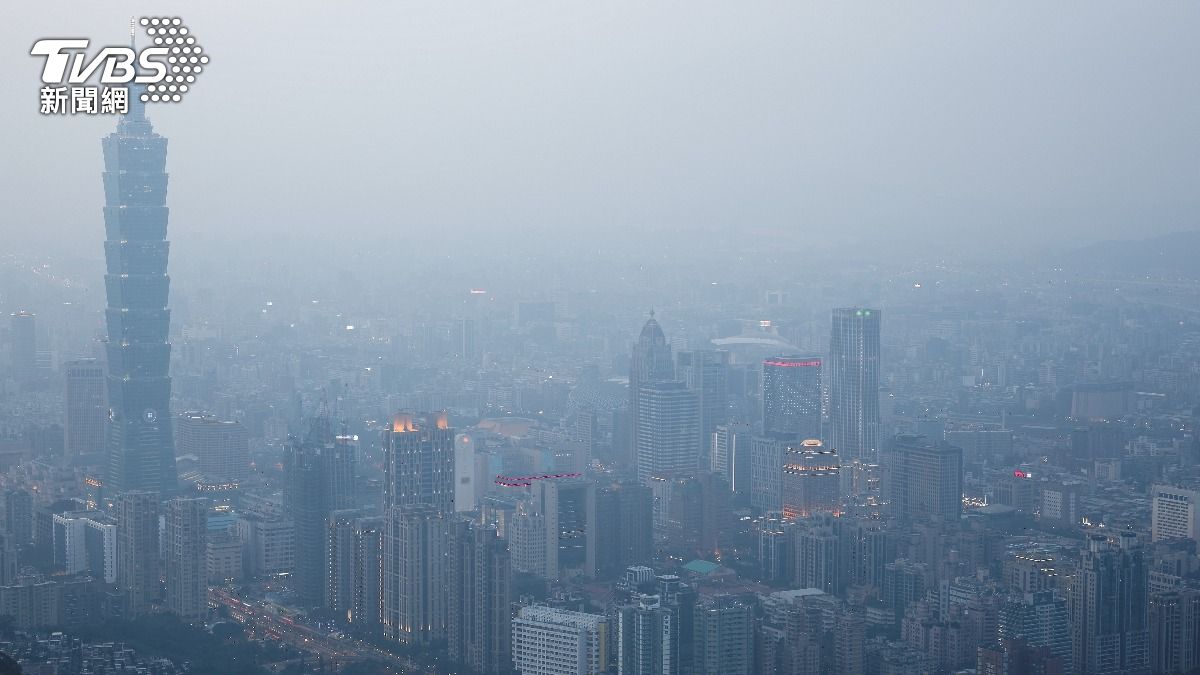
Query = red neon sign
x=793 y=364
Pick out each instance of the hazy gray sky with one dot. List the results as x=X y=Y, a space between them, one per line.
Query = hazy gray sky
x=397 y=122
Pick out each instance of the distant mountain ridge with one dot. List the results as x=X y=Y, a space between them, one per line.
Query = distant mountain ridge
x=1176 y=254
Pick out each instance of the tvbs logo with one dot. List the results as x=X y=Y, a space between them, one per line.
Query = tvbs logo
x=162 y=73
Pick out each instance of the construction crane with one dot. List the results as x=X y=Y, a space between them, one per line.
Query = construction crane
x=526 y=481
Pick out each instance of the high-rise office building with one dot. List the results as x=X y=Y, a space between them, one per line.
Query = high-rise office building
x=222 y=447
x=141 y=447
x=562 y=503
x=1110 y=607
x=367 y=607
x=478 y=617
x=791 y=396
x=816 y=554
x=766 y=471
x=318 y=479
x=1174 y=513
x=87 y=408
x=341 y=549
x=1041 y=619
x=853 y=372
x=811 y=481
x=656 y=633
x=651 y=362
x=730 y=456
x=925 y=479
x=137 y=551
x=698 y=516
x=705 y=371
x=724 y=631
x=526 y=532
x=419 y=462
x=18 y=516
x=23 y=349
x=667 y=419
x=414 y=574
x=1175 y=631
x=622 y=528
x=187 y=546
x=550 y=641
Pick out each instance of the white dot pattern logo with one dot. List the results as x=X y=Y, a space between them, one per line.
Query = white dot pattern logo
x=183 y=62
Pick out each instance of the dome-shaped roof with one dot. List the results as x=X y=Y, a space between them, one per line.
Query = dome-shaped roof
x=652 y=332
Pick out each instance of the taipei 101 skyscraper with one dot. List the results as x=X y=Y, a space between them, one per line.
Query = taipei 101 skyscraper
x=141 y=453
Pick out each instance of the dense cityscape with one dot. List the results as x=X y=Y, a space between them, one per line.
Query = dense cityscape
x=632 y=458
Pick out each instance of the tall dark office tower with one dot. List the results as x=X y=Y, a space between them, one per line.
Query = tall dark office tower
x=651 y=362
x=24 y=345
x=367 y=609
x=656 y=633
x=667 y=419
x=87 y=410
x=621 y=532
x=853 y=371
x=1041 y=619
x=18 y=516
x=340 y=550
x=319 y=479
x=1175 y=631
x=137 y=551
x=791 y=396
x=187 y=548
x=925 y=479
x=1110 y=607
x=141 y=448
x=706 y=372
x=724 y=637
x=419 y=462
x=479 y=617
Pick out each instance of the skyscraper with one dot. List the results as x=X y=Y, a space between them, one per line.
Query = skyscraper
x=141 y=448
x=724 y=637
x=87 y=409
x=667 y=419
x=791 y=396
x=705 y=371
x=730 y=456
x=853 y=370
x=563 y=506
x=318 y=479
x=187 y=545
x=221 y=446
x=367 y=609
x=137 y=551
x=1040 y=619
x=479 y=619
x=1110 y=607
x=811 y=481
x=24 y=345
x=1175 y=631
x=414 y=574
x=651 y=362
x=925 y=479
x=419 y=462
x=621 y=531
x=655 y=633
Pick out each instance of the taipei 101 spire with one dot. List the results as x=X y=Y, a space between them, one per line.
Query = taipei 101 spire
x=141 y=453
